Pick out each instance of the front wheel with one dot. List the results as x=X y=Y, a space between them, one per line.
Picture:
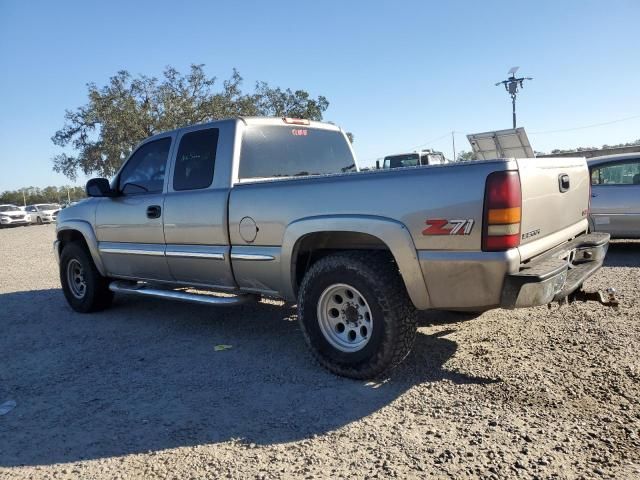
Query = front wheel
x=83 y=286
x=356 y=315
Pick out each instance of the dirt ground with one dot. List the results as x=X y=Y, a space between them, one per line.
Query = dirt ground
x=139 y=391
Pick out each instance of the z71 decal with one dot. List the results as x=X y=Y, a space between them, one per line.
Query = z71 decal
x=440 y=226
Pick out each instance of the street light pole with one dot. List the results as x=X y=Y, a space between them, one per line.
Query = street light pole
x=453 y=142
x=512 y=85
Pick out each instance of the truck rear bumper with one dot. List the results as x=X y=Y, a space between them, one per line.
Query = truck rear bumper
x=556 y=274
x=483 y=280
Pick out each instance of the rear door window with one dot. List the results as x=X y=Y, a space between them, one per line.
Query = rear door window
x=196 y=160
x=277 y=151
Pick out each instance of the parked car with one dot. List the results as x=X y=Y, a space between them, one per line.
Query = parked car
x=273 y=207
x=12 y=216
x=615 y=195
x=43 y=212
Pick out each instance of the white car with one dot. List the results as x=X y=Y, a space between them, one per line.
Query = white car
x=43 y=212
x=10 y=216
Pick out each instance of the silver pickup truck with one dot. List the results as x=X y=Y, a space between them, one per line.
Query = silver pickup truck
x=224 y=212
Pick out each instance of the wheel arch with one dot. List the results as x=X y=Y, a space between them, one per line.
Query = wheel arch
x=79 y=231
x=328 y=234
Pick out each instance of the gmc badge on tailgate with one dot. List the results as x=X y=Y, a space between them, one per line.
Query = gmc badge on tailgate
x=440 y=226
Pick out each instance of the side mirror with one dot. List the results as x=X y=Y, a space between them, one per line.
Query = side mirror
x=99 y=187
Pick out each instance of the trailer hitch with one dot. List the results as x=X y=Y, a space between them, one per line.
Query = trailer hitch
x=607 y=298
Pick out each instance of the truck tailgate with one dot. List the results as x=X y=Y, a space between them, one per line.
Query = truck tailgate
x=555 y=200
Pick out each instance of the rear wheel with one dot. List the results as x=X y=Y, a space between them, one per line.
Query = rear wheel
x=356 y=315
x=83 y=286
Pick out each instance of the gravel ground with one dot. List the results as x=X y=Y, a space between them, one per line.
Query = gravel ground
x=138 y=391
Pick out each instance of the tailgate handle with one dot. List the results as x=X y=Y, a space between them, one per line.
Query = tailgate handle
x=563 y=182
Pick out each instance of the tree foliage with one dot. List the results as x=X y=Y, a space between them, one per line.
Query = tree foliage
x=51 y=194
x=603 y=147
x=465 y=156
x=128 y=109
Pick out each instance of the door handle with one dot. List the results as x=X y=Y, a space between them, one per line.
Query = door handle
x=594 y=195
x=563 y=182
x=154 y=211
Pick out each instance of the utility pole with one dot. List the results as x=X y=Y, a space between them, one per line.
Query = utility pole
x=511 y=85
x=453 y=142
x=24 y=199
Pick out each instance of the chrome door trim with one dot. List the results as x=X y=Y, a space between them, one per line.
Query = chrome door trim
x=209 y=252
x=127 y=251
x=256 y=257
x=213 y=256
x=132 y=249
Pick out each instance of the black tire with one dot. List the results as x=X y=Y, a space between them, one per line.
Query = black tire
x=375 y=276
x=97 y=295
x=39 y=221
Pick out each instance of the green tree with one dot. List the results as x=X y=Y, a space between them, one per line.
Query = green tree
x=118 y=116
x=603 y=147
x=465 y=156
x=50 y=194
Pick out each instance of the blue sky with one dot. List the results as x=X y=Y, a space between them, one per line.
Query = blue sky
x=398 y=74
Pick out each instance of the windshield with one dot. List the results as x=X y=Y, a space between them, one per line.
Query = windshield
x=270 y=151
x=8 y=208
x=397 y=161
x=48 y=206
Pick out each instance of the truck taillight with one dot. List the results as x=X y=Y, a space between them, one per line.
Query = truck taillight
x=502 y=212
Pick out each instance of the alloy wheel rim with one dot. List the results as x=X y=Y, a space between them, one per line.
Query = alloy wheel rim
x=345 y=318
x=75 y=279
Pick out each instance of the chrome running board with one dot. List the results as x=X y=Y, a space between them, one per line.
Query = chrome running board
x=145 y=290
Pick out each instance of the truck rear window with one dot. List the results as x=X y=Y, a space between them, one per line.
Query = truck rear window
x=278 y=151
x=399 y=161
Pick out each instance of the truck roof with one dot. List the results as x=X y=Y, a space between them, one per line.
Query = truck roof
x=279 y=121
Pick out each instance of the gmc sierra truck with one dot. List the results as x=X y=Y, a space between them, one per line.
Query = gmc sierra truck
x=225 y=212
